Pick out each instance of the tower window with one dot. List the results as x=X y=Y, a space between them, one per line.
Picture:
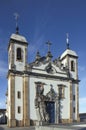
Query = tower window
x=19 y=54
x=73 y=97
x=19 y=109
x=73 y=109
x=19 y=95
x=72 y=65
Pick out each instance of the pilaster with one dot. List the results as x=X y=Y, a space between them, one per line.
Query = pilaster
x=71 y=103
x=12 y=52
x=77 y=89
x=12 y=121
x=26 y=101
x=76 y=69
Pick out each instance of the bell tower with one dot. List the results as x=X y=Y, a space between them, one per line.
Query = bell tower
x=18 y=104
x=17 y=52
x=69 y=59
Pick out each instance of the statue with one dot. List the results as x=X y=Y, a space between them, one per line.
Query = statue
x=41 y=109
x=40 y=103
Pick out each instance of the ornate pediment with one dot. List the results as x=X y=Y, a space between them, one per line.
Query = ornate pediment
x=45 y=67
x=50 y=69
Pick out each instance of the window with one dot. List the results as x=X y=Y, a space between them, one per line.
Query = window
x=19 y=54
x=18 y=94
x=61 y=91
x=73 y=97
x=72 y=66
x=19 y=109
x=74 y=109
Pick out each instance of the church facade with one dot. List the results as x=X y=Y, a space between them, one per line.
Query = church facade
x=44 y=91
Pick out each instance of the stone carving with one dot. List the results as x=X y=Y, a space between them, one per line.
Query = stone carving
x=50 y=69
x=40 y=105
x=41 y=109
x=51 y=95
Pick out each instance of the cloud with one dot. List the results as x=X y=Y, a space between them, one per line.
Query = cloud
x=36 y=44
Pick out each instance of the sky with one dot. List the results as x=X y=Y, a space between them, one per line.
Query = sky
x=40 y=21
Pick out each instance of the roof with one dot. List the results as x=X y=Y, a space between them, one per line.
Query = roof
x=18 y=38
x=82 y=114
x=68 y=52
x=2 y=110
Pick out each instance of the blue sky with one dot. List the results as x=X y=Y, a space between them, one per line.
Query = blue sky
x=40 y=21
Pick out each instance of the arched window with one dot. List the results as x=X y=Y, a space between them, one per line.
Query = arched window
x=19 y=54
x=72 y=65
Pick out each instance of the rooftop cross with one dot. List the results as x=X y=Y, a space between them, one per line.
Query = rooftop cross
x=67 y=40
x=16 y=18
x=49 y=44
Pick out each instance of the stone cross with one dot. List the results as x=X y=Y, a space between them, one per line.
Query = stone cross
x=67 y=40
x=49 y=44
x=16 y=18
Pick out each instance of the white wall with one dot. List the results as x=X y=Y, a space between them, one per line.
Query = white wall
x=9 y=103
x=75 y=102
x=18 y=102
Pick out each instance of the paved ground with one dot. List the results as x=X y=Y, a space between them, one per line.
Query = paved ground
x=4 y=127
x=58 y=127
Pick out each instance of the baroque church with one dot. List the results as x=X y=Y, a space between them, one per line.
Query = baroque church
x=44 y=91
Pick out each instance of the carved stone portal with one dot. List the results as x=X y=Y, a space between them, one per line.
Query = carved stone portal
x=40 y=104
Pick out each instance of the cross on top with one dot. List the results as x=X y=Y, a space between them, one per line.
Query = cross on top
x=67 y=40
x=16 y=18
x=49 y=44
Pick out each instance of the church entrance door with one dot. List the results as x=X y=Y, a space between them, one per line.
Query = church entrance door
x=50 y=108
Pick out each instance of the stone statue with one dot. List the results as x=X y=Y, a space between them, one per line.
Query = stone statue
x=41 y=109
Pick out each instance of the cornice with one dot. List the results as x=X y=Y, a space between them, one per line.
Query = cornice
x=47 y=76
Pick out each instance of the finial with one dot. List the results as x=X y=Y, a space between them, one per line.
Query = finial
x=49 y=44
x=38 y=55
x=49 y=55
x=67 y=40
x=16 y=18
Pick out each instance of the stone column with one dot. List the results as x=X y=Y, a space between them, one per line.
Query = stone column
x=57 y=107
x=77 y=92
x=71 y=103
x=26 y=101
x=12 y=120
x=76 y=68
